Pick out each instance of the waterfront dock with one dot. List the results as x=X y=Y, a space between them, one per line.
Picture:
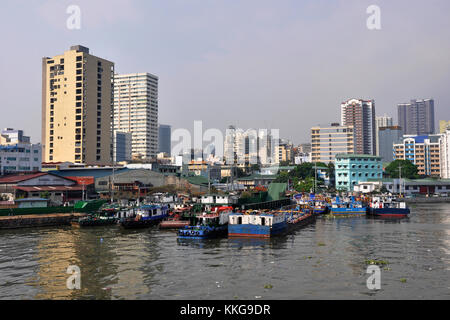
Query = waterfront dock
x=38 y=220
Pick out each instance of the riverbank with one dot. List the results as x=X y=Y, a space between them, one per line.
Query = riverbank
x=428 y=200
x=41 y=220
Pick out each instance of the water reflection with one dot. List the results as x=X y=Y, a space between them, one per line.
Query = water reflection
x=326 y=259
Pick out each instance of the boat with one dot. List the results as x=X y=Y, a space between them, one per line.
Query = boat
x=267 y=224
x=388 y=207
x=207 y=225
x=104 y=216
x=319 y=205
x=347 y=207
x=146 y=216
x=179 y=218
x=94 y=220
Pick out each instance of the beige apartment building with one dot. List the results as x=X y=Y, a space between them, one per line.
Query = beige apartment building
x=76 y=107
x=329 y=140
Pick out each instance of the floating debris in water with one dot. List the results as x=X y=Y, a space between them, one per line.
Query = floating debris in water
x=268 y=286
x=258 y=297
x=321 y=244
x=403 y=280
x=376 y=262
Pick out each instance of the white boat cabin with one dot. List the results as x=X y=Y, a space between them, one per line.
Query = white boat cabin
x=261 y=219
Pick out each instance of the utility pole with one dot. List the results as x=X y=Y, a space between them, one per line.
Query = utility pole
x=209 y=179
x=315 y=177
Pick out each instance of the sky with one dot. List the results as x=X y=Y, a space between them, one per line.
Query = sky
x=259 y=64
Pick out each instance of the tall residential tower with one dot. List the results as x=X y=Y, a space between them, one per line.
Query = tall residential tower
x=76 y=107
x=361 y=115
x=136 y=111
x=416 y=117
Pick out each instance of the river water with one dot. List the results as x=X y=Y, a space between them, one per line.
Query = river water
x=325 y=260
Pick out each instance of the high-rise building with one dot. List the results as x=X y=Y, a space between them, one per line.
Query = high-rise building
x=17 y=154
x=329 y=140
x=423 y=151
x=249 y=146
x=445 y=154
x=381 y=122
x=136 y=111
x=387 y=137
x=361 y=115
x=122 y=146
x=416 y=117
x=164 y=138
x=76 y=107
x=443 y=125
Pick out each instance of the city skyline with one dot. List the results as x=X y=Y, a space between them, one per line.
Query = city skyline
x=266 y=42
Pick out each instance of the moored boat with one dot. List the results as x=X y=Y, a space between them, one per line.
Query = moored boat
x=267 y=224
x=146 y=216
x=388 y=207
x=347 y=207
x=207 y=225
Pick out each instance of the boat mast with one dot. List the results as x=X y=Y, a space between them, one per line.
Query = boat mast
x=400 y=178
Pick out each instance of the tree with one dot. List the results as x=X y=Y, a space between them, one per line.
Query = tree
x=305 y=185
x=408 y=171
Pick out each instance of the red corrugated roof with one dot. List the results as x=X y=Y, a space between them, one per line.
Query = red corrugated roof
x=50 y=188
x=20 y=177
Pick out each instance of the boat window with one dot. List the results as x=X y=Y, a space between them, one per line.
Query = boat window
x=263 y=221
x=239 y=220
x=153 y=212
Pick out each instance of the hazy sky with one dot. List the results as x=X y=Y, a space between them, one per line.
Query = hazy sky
x=260 y=64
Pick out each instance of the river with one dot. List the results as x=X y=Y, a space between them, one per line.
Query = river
x=324 y=260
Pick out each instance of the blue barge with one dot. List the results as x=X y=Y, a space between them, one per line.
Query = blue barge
x=267 y=224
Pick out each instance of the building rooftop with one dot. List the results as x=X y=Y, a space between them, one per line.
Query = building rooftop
x=357 y=156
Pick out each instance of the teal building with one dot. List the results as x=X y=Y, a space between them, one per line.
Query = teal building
x=350 y=169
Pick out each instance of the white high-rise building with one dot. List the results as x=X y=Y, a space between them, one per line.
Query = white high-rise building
x=445 y=154
x=248 y=146
x=136 y=111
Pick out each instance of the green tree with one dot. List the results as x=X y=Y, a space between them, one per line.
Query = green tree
x=305 y=185
x=409 y=170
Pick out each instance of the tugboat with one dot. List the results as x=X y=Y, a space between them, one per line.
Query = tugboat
x=207 y=225
x=388 y=207
x=146 y=216
x=349 y=207
x=105 y=216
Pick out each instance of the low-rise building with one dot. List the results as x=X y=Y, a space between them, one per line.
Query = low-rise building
x=17 y=154
x=417 y=186
x=57 y=189
x=351 y=169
